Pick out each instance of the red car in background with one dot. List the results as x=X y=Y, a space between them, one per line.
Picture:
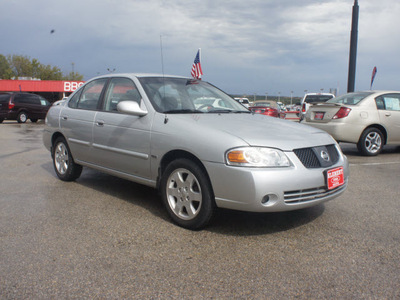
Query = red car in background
x=268 y=108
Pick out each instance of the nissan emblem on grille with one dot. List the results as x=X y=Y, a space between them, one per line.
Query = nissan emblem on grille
x=325 y=155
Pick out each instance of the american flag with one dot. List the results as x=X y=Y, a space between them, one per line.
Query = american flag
x=196 y=68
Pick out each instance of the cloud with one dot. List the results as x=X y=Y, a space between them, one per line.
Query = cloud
x=247 y=46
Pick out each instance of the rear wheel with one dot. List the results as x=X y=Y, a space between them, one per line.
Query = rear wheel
x=63 y=162
x=371 y=142
x=187 y=194
x=22 y=117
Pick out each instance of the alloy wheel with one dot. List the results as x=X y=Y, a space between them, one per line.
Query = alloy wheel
x=373 y=142
x=61 y=158
x=184 y=194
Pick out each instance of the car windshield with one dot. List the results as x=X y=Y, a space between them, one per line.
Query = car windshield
x=317 y=98
x=181 y=95
x=350 y=99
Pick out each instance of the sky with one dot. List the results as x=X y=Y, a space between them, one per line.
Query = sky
x=261 y=47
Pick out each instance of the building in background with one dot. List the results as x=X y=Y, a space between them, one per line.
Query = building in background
x=52 y=90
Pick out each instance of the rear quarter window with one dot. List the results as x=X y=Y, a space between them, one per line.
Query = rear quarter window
x=27 y=99
x=4 y=98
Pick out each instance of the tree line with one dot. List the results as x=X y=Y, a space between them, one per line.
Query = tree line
x=15 y=66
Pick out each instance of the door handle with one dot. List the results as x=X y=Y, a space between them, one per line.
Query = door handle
x=64 y=117
x=388 y=114
x=100 y=123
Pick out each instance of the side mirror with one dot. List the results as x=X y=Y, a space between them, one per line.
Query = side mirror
x=131 y=108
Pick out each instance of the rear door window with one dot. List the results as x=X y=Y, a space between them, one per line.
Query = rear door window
x=74 y=100
x=388 y=102
x=392 y=102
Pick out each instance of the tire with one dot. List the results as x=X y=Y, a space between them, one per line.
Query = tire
x=187 y=194
x=34 y=120
x=371 y=142
x=63 y=162
x=22 y=117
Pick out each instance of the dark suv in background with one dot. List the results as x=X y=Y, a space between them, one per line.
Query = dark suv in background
x=23 y=106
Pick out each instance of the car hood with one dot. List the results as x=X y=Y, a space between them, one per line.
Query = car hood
x=255 y=130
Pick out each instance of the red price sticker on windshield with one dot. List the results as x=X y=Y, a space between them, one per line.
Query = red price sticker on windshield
x=335 y=178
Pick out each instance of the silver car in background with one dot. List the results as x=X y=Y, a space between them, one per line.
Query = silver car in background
x=158 y=131
x=370 y=119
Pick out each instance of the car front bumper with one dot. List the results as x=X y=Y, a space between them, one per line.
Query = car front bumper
x=273 y=189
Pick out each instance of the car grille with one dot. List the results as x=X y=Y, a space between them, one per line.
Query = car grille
x=310 y=157
x=308 y=195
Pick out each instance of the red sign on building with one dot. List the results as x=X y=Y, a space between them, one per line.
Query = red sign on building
x=39 y=86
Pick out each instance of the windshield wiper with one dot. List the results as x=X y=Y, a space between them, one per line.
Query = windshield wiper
x=242 y=112
x=228 y=111
x=182 y=111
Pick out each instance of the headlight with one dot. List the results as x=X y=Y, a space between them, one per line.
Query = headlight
x=257 y=157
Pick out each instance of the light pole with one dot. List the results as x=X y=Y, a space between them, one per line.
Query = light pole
x=353 y=49
x=266 y=96
x=291 y=97
x=110 y=70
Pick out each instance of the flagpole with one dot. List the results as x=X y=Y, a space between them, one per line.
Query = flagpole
x=200 y=57
x=162 y=56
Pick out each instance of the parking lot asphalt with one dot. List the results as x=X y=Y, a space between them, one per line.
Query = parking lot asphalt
x=104 y=237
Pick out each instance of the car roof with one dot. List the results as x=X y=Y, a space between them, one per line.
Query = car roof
x=372 y=92
x=140 y=75
x=322 y=94
x=378 y=91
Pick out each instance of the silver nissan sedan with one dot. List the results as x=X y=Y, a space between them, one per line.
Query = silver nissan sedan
x=194 y=143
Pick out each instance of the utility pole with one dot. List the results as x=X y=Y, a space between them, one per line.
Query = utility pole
x=353 y=49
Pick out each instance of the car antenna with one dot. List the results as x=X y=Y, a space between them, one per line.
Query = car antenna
x=162 y=69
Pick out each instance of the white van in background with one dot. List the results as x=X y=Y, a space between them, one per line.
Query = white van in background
x=244 y=101
x=313 y=98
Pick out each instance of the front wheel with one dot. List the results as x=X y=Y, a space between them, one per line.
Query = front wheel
x=187 y=194
x=22 y=117
x=63 y=162
x=371 y=142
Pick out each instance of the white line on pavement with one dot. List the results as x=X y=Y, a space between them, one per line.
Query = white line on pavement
x=375 y=164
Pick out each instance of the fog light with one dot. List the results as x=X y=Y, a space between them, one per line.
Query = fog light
x=265 y=199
